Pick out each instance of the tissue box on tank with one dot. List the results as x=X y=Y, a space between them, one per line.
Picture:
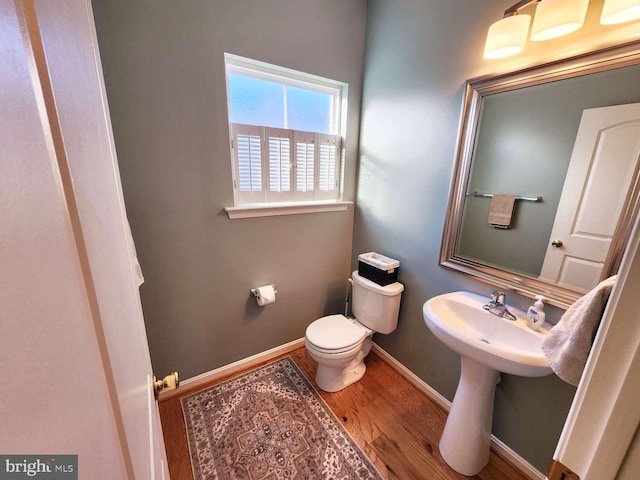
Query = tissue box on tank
x=378 y=268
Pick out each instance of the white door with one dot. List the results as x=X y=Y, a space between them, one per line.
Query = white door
x=603 y=163
x=75 y=354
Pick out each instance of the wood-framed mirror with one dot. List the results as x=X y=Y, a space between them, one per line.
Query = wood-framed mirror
x=564 y=138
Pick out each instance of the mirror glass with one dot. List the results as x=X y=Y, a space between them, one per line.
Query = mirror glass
x=564 y=139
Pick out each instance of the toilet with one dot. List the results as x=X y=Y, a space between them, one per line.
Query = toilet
x=340 y=344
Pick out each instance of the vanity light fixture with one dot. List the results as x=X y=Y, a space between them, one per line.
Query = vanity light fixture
x=619 y=11
x=553 y=18
x=507 y=37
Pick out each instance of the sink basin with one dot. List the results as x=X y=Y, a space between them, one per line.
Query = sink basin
x=460 y=322
x=488 y=344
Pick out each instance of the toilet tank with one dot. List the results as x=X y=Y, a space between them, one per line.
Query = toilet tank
x=376 y=306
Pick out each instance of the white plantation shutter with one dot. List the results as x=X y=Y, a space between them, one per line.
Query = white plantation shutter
x=305 y=164
x=305 y=156
x=279 y=154
x=248 y=162
x=279 y=167
x=282 y=165
x=328 y=166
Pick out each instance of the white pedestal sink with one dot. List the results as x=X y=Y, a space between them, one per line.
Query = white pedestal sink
x=488 y=344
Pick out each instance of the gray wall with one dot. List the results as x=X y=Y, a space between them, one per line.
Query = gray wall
x=164 y=72
x=524 y=148
x=419 y=54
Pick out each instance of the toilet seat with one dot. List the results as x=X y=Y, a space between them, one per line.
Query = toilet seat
x=336 y=334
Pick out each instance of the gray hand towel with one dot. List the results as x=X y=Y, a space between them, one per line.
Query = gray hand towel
x=568 y=343
x=501 y=210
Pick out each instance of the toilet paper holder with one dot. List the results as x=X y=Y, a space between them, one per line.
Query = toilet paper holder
x=256 y=292
x=268 y=297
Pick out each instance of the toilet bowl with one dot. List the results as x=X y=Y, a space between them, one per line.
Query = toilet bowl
x=340 y=344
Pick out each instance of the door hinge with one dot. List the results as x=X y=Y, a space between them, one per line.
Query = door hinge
x=232 y=144
x=557 y=471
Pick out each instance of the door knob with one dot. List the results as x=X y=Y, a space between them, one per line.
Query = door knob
x=170 y=382
x=556 y=243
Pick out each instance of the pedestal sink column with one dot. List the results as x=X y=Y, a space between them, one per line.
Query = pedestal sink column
x=466 y=440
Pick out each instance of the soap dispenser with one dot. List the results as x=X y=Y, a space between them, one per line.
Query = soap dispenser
x=535 y=314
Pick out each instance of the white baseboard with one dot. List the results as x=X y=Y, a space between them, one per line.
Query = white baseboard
x=246 y=363
x=227 y=370
x=496 y=444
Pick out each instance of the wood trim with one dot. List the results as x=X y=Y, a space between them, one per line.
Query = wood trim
x=624 y=228
x=291 y=208
x=212 y=376
x=558 y=471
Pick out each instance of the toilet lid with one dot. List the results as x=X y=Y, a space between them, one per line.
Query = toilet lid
x=336 y=332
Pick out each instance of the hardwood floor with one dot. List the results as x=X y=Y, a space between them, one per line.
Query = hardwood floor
x=396 y=425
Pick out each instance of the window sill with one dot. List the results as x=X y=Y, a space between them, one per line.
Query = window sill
x=252 y=210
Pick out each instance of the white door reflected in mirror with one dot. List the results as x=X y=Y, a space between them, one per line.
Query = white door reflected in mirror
x=604 y=162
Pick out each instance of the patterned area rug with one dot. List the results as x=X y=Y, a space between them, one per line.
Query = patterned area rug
x=269 y=424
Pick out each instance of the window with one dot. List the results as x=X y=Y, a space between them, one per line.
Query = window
x=285 y=133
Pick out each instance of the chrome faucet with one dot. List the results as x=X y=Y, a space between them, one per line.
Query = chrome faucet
x=498 y=306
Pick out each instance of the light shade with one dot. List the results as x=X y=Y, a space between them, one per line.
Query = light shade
x=555 y=18
x=619 y=11
x=507 y=36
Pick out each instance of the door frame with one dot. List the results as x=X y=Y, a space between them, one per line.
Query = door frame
x=603 y=419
